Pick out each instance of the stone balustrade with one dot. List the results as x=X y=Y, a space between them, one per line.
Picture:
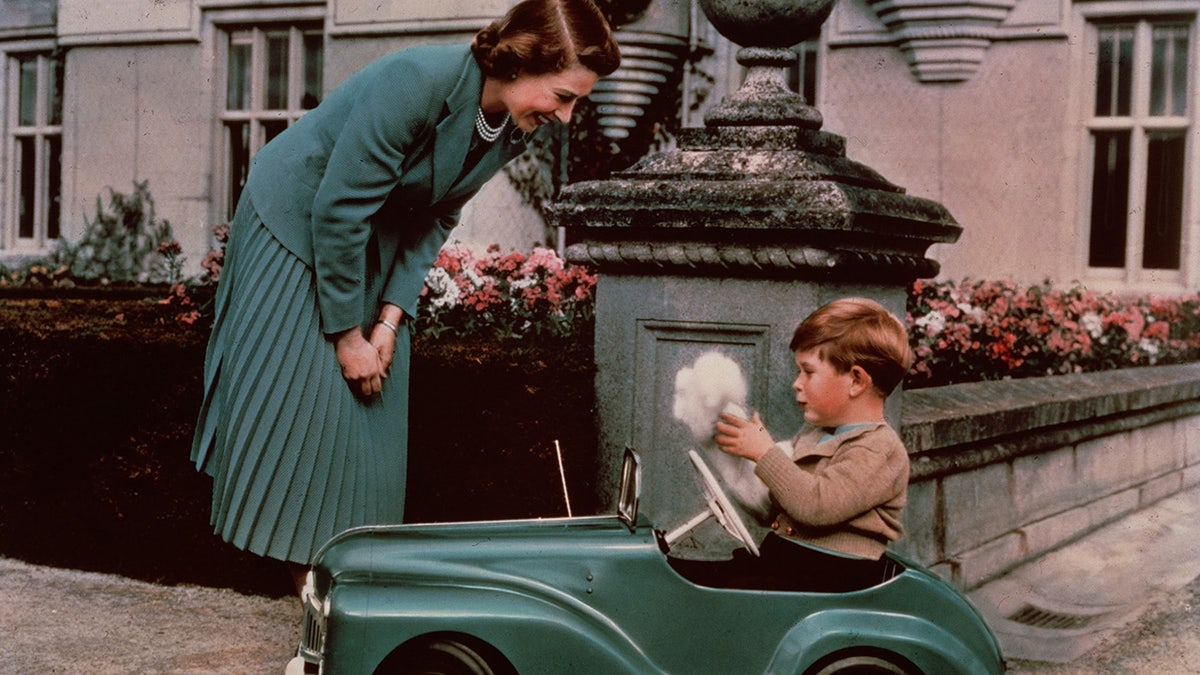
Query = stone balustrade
x=1006 y=471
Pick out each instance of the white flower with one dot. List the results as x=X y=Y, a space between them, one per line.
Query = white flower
x=1150 y=348
x=932 y=323
x=1092 y=323
x=976 y=313
x=443 y=292
x=477 y=282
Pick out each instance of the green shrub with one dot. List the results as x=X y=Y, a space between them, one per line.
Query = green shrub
x=126 y=243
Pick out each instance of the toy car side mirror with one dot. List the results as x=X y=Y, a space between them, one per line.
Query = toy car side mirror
x=630 y=495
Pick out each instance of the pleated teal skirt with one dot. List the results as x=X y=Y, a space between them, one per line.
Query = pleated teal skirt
x=295 y=456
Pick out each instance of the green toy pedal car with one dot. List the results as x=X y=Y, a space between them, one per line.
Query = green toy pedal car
x=597 y=594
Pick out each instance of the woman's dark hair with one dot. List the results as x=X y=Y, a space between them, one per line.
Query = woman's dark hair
x=547 y=36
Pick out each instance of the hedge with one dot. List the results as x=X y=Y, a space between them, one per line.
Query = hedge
x=98 y=403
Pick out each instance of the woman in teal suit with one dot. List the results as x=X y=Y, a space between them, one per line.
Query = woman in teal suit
x=302 y=428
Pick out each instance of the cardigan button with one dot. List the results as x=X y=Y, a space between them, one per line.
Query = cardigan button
x=775 y=525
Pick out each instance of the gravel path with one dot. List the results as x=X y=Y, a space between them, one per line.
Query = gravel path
x=65 y=621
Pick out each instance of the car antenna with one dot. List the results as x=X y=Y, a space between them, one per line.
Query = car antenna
x=563 y=475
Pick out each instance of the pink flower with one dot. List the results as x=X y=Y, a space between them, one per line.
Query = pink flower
x=212 y=264
x=1159 y=330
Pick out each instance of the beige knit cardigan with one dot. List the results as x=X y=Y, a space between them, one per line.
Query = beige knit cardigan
x=843 y=493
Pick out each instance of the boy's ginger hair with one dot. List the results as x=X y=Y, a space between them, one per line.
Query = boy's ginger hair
x=858 y=332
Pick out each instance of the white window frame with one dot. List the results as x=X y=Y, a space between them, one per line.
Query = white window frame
x=1141 y=16
x=219 y=27
x=41 y=131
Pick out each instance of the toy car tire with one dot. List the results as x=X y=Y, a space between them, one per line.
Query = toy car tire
x=864 y=663
x=445 y=655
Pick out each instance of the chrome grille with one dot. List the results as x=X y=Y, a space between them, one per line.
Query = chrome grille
x=312 y=631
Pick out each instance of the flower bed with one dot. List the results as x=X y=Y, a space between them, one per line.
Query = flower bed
x=966 y=331
x=506 y=295
x=988 y=330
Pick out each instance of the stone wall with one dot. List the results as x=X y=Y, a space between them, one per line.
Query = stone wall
x=1006 y=471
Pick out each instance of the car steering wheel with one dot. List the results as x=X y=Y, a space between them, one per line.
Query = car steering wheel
x=720 y=506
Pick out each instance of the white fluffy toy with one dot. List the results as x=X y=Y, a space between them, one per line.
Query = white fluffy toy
x=712 y=384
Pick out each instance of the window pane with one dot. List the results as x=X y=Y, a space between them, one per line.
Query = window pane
x=802 y=75
x=27 y=93
x=1164 y=201
x=1125 y=73
x=26 y=186
x=1104 y=75
x=1158 y=74
x=314 y=81
x=276 y=81
x=1114 y=70
x=1110 y=199
x=1168 y=71
x=1179 y=84
x=54 y=97
x=238 y=138
x=810 y=75
x=272 y=128
x=237 y=88
x=53 y=185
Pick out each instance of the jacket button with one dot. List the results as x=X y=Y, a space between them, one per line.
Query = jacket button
x=791 y=531
x=775 y=525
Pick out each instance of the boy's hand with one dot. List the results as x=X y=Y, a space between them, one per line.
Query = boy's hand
x=742 y=437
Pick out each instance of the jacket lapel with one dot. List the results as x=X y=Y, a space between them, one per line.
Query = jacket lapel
x=510 y=144
x=452 y=136
x=816 y=443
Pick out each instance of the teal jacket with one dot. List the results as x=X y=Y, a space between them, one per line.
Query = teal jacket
x=380 y=157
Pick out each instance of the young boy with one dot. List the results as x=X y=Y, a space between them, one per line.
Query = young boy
x=841 y=491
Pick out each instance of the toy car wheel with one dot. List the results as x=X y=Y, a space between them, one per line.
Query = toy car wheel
x=865 y=663
x=439 y=657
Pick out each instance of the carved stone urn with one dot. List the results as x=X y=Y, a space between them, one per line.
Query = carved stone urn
x=766 y=29
x=767 y=23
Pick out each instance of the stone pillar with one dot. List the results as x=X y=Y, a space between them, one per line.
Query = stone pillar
x=725 y=244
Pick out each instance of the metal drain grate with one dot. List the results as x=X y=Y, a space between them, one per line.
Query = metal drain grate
x=1044 y=618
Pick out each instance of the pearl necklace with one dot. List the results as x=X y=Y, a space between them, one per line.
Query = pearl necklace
x=486 y=131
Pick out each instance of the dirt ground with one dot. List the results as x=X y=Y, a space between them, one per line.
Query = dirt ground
x=65 y=621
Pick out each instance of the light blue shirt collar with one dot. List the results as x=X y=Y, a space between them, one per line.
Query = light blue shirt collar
x=844 y=429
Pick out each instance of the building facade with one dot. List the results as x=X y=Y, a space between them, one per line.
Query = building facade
x=1060 y=133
